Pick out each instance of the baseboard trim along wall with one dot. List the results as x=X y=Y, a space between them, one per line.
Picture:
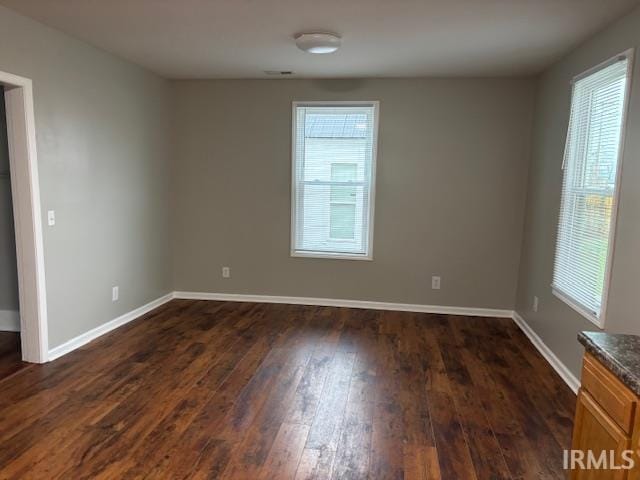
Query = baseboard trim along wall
x=86 y=337
x=9 y=321
x=570 y=379
x=562 y=370
x=333 y=302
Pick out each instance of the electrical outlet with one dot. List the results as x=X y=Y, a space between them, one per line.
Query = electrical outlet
x=535 y=304
x=115 y=294
x=226 y=272
x=51 y=218
x=435 y=283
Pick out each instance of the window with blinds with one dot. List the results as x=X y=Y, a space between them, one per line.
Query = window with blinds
x=589 y=190
x=334 y=157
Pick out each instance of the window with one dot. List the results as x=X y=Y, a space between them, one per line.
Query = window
x=589 y=189
x=334 y=150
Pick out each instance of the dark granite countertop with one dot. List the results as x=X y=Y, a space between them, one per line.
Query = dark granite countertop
x=619 y=353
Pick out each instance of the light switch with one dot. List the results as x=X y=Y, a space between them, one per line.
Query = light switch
x=51 y=218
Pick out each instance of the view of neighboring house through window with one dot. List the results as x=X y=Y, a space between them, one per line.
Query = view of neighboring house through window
x=333 y=176
x=589 y=191
x=342 y=207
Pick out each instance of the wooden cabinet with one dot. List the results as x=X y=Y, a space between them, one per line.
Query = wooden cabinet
x=605 y=421
x=595 y=431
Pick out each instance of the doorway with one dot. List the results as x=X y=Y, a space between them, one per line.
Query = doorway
x=22 y=179
x=10 y=349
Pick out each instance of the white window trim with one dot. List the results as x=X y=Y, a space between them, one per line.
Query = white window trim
x=599 y=321
x=372 y=197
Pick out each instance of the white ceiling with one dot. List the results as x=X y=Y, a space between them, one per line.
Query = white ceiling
x=381 y=38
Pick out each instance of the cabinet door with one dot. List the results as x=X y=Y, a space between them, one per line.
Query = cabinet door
x=634 y=474
x=594 y=430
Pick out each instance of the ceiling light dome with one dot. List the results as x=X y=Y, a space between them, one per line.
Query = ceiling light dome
x=318 y=42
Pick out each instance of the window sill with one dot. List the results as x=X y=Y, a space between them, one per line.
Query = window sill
x=598 y=322
x=331 y=256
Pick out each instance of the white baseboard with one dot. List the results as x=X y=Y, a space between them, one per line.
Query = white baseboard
x=9 y=321
x=333 y=302
x=570 y=379
x=86 y=337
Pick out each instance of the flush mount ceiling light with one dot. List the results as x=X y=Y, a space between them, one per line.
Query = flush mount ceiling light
x=318 y=42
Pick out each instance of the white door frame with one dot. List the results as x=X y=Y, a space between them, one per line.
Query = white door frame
x=25 y=187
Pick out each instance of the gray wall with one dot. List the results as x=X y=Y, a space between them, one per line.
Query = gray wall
x=555 y=322
x=451 y=180
x=8 y=272
x=102 y=138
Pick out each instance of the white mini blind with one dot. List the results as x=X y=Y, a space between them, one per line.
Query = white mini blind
x=333 y=175
x=591 y=163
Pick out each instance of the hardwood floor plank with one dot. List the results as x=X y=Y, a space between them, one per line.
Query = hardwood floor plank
x=486 y=455
x=150 y=378
x=315 y=464
x=282 y=462
x=453 y=450
x=251 y=454
x=71 y=410
x=10 y=355
x=415 y=406
x=504 y=408
x=421 y=463
x=325 y=429
x=354 y=448
x=387 y=460
x=167 y=434
x=388 y=384
x=454 y=455
x=309 y=391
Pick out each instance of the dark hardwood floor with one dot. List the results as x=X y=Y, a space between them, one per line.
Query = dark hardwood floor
x=10 y=354
x=221 y=390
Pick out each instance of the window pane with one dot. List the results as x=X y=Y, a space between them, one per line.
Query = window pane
x=343 y=221
x=343 y=172
x=318 y=220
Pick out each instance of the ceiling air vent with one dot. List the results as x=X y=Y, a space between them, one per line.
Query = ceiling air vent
x=278 y=72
